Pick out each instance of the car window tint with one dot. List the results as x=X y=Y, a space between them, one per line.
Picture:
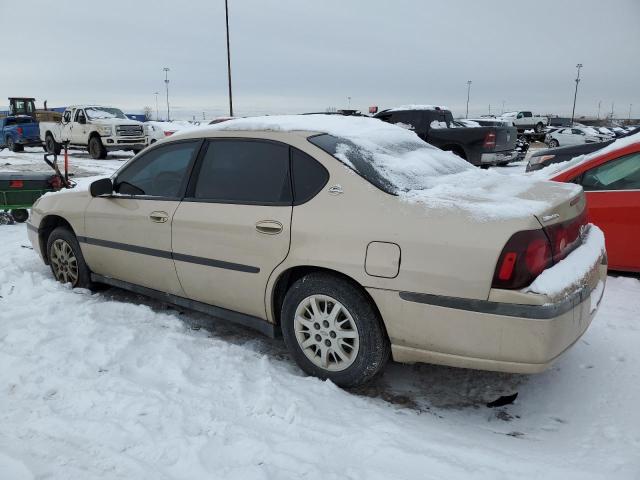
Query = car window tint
x=619 y=174
x=160 y=172
x=245 y=171
x=309 y=176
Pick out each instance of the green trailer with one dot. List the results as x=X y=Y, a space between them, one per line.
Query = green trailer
x=20 y=190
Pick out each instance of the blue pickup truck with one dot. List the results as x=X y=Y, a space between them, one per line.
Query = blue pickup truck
x=19 y=131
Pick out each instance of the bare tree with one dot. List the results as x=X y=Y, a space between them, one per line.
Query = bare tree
x=148 y=113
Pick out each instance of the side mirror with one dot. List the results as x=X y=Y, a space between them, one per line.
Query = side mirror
x=104 y=186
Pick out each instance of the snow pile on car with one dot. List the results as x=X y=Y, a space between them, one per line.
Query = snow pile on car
x=403 y=108
x=564 y=276
x=418 y=171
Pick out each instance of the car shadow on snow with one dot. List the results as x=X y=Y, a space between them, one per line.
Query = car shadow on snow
x=419 y=387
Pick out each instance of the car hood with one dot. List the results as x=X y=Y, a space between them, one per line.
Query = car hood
x=115 y=121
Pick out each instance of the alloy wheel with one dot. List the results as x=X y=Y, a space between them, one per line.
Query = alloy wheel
x=326 y=332
x=64 y=262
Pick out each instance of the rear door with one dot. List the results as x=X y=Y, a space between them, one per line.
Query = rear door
x=66 y=126
x=613 y=200
x=79 y=130
x=233 y=227
x=128 y=235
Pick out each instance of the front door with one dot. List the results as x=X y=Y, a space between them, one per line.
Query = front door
x=79 y=131
x=233 y=228
x=128 y=234
x=613 y=200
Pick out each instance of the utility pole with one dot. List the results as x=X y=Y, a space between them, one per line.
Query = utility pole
x=502 y=107
x=157 y=109
x=489 y=109
x=349 y=102
x=226 y=13
x=468 y=93
x=166 y=82
x=612 y=104
x=599 y=102
x=575 y=95
x=630 y=107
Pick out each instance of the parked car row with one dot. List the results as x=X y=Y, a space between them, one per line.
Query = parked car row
x=269 y=222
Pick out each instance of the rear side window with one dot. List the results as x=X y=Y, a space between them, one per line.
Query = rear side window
x=250 y=172
x=161 y=172
x=619 y=174
x=309 y=176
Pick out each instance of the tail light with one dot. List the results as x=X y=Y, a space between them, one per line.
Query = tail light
x=16 y=184
x=528 y=253
x=490 y=140
x=168 y=134
x=524 y=257
x=19 y=130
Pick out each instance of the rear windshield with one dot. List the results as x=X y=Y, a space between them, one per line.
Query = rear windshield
x=393 y=167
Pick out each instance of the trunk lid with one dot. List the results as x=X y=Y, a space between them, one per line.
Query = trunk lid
x=505 y=138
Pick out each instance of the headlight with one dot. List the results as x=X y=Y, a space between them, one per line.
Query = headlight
x=540 y=159
x=105 y=130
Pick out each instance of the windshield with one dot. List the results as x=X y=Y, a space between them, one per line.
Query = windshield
x=97 y=113
x=393 y=167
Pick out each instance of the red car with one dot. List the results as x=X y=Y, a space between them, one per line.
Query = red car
x=611 y=181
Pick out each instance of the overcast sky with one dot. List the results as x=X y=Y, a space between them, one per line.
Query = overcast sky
x=299 y=55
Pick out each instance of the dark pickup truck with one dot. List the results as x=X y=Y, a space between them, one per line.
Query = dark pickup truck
x=481 y=146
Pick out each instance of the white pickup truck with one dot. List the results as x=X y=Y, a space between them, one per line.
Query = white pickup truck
x=525 y=120
x=98 y=129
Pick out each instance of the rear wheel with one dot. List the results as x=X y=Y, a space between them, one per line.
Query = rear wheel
x=553 y=143
x=13 y=146
x=333 y=331
x=96 y=149
x=51 y=145
x=20 y=215
x=66 y=260
x=539 y=127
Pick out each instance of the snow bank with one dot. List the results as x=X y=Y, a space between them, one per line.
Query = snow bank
x=565 y=276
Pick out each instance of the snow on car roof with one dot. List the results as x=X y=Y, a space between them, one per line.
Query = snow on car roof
x=403 y=108
x=418 y=172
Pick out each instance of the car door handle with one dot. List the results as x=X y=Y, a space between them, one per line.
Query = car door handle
x=159 y=217
x=269 y=227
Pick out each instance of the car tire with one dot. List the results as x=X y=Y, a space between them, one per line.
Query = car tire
x=539 y=127
x=12 y=145
x=20 y=215
x=348 y=346
x=553 y=143
x=51 y=146
x=96 y=148
x=66 y=259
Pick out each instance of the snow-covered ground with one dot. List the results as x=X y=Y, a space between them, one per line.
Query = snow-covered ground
x=112 y=385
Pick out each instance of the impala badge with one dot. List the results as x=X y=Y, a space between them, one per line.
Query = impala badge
x=548 y=218
x=336 y=190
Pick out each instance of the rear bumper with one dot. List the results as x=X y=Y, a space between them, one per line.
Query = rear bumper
x=487 y=335
x=29 y=142
x=498 y=157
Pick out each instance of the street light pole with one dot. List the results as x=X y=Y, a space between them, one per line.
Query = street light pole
x=599 y=103
x=575 y=95
x=226 y=13
x=157 y=109
x=630 y=106
x=166 y=82
x=468 y=93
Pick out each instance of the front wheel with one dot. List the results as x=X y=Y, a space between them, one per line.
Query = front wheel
x=553 y=143
x=333 y=331
x=96 y=149
x=66 y=260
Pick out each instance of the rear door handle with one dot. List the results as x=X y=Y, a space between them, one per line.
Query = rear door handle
x=159 y=217
x=269 y=227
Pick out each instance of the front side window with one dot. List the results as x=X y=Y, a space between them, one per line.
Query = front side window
x=80 y=116
x=161 y=172
x=66 y=118
x=619 y=174
x=250 y=172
